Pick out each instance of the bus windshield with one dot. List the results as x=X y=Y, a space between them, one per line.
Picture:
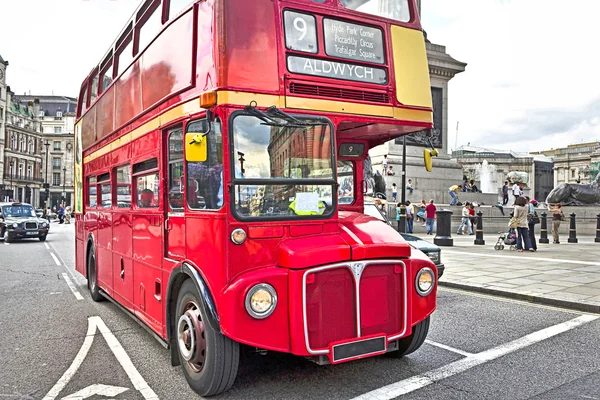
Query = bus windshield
x=282 y=171
x=394 y=9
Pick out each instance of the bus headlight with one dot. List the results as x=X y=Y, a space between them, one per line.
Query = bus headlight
x=425 y=281
x=261 y=301
x=238 y=236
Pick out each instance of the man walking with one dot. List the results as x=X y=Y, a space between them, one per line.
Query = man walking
x=516 y=191
x=430 y=210
x=505 y=193
x=61 y=214
x=466 y=220
x=453 y=192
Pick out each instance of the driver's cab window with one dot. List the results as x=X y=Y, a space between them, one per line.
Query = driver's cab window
x=176 y=177
x=345 y=179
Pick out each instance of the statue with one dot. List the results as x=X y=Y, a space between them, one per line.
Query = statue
x=576 y=194
x=375 y=181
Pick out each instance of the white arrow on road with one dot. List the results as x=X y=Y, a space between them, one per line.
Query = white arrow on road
x=97 y=389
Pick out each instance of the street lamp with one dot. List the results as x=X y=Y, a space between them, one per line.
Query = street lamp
x=46 y=185
x=12 y=163
x=64 y=183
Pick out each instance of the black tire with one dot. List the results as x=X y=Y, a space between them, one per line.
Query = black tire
x=412 y=343
x=213 y=369
x=93 y=278
x=7 y=238
x=42 y=238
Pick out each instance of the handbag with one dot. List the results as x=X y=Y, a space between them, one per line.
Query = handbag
x=533 y=219
x=513 y=223
x=562 y=216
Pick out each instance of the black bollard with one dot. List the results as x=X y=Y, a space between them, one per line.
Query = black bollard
x=572 y=230
x=444 y=228
x=402 y=220
x=597 y=240
x=479 y=232
x=544 y=229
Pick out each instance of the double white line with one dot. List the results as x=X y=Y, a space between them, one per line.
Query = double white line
x=72 y=286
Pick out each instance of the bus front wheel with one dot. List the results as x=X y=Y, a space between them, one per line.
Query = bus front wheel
x=92 y=276
x=209 y=359
x=411 y=343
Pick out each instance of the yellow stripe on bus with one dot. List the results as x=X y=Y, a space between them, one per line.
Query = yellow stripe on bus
x=263 y=100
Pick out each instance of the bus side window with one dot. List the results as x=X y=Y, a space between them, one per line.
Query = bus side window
x=123 y=175
x=92 y=198
x=105 y=190
x=176 y=178
x=205 y=179
x=147 y=184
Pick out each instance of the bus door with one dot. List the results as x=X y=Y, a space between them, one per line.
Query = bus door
x=175 y=195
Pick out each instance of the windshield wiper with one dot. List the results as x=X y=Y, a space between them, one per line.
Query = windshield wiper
x=275 y=117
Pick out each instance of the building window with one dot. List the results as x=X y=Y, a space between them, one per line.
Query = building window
x=56 y=163
x=56 y=179
x=29 y=172
x=22 y=144
x=31 y=147
x=572 y=173
x=57 y=146
x=20 y=170
x=14 y=142
x=58 y=129
x=59 y=114
x=42 y=114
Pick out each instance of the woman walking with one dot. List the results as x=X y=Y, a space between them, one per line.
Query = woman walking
x=520 y=215
x=557 y=216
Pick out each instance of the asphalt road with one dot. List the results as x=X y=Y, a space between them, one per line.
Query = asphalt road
x=56 y=346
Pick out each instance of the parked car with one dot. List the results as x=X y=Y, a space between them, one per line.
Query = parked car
x=434 y=252
x=19 y=221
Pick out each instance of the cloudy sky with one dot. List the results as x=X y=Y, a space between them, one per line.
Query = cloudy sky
x=531 y=81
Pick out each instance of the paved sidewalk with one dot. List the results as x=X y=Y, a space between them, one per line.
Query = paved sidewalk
x=564 y=275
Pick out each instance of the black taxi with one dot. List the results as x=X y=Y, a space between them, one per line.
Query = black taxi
x=19 y=221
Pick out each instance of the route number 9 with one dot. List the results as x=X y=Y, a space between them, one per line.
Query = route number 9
x=300 y=25
x=300 y=31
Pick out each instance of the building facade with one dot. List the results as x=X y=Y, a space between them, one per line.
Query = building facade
x=57 y=117
x=21 y=151
x=576 y=163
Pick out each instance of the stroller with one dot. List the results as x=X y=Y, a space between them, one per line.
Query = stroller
x=509 y=239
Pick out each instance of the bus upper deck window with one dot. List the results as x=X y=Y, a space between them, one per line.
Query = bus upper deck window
x=176 y=6
x=394 y=9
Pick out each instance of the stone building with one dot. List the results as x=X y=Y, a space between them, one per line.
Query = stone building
x=442 y=68
x=57 y=116
x=3 y=109
x=20 y=148
x=493 y=165
x=576 y=163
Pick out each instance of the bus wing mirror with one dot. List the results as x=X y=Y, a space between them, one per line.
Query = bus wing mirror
x=195 y=147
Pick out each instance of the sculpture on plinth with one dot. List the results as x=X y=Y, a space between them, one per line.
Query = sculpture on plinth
x=576 y=194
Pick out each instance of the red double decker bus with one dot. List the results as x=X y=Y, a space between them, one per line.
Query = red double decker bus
x=220 y=148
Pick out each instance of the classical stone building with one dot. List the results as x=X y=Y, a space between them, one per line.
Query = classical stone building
x=3 y=109
x=434 y=185
x=21 y=151
x=57 y=116
x=576 y=163
x=538 y=168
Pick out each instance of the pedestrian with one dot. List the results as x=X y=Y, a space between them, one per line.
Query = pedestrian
x=421 y=212
x=532 y=219
x=505 y=193
x=61 y=214
x=557 y=217
x=472 y=215
x=453 y=192
x=394 y=192
x=516 y=191
x=410 y=214
x=430 y=216
x=68 y=215
x=409 y=186
x=520 y=216
x=48 y=213
x=390 y=171
x=385 y=165
x=398 y=213
x=465 y=221
x=473 y=187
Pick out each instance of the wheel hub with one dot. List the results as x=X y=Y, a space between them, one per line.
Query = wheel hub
x=191 y=336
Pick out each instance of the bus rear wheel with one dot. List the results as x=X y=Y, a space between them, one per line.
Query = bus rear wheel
x=412 y=343
x=92 y=276
x=209 y=359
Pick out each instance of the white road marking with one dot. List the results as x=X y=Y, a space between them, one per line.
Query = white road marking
x=55 y=259
x=78 y=295
x=452 y=349
x=76 y=277
x=420 y=381
x=6 y=244
x=94 y=324
x=553 y=260
x=55 y=293
x=46 y=244
x=97 y=389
